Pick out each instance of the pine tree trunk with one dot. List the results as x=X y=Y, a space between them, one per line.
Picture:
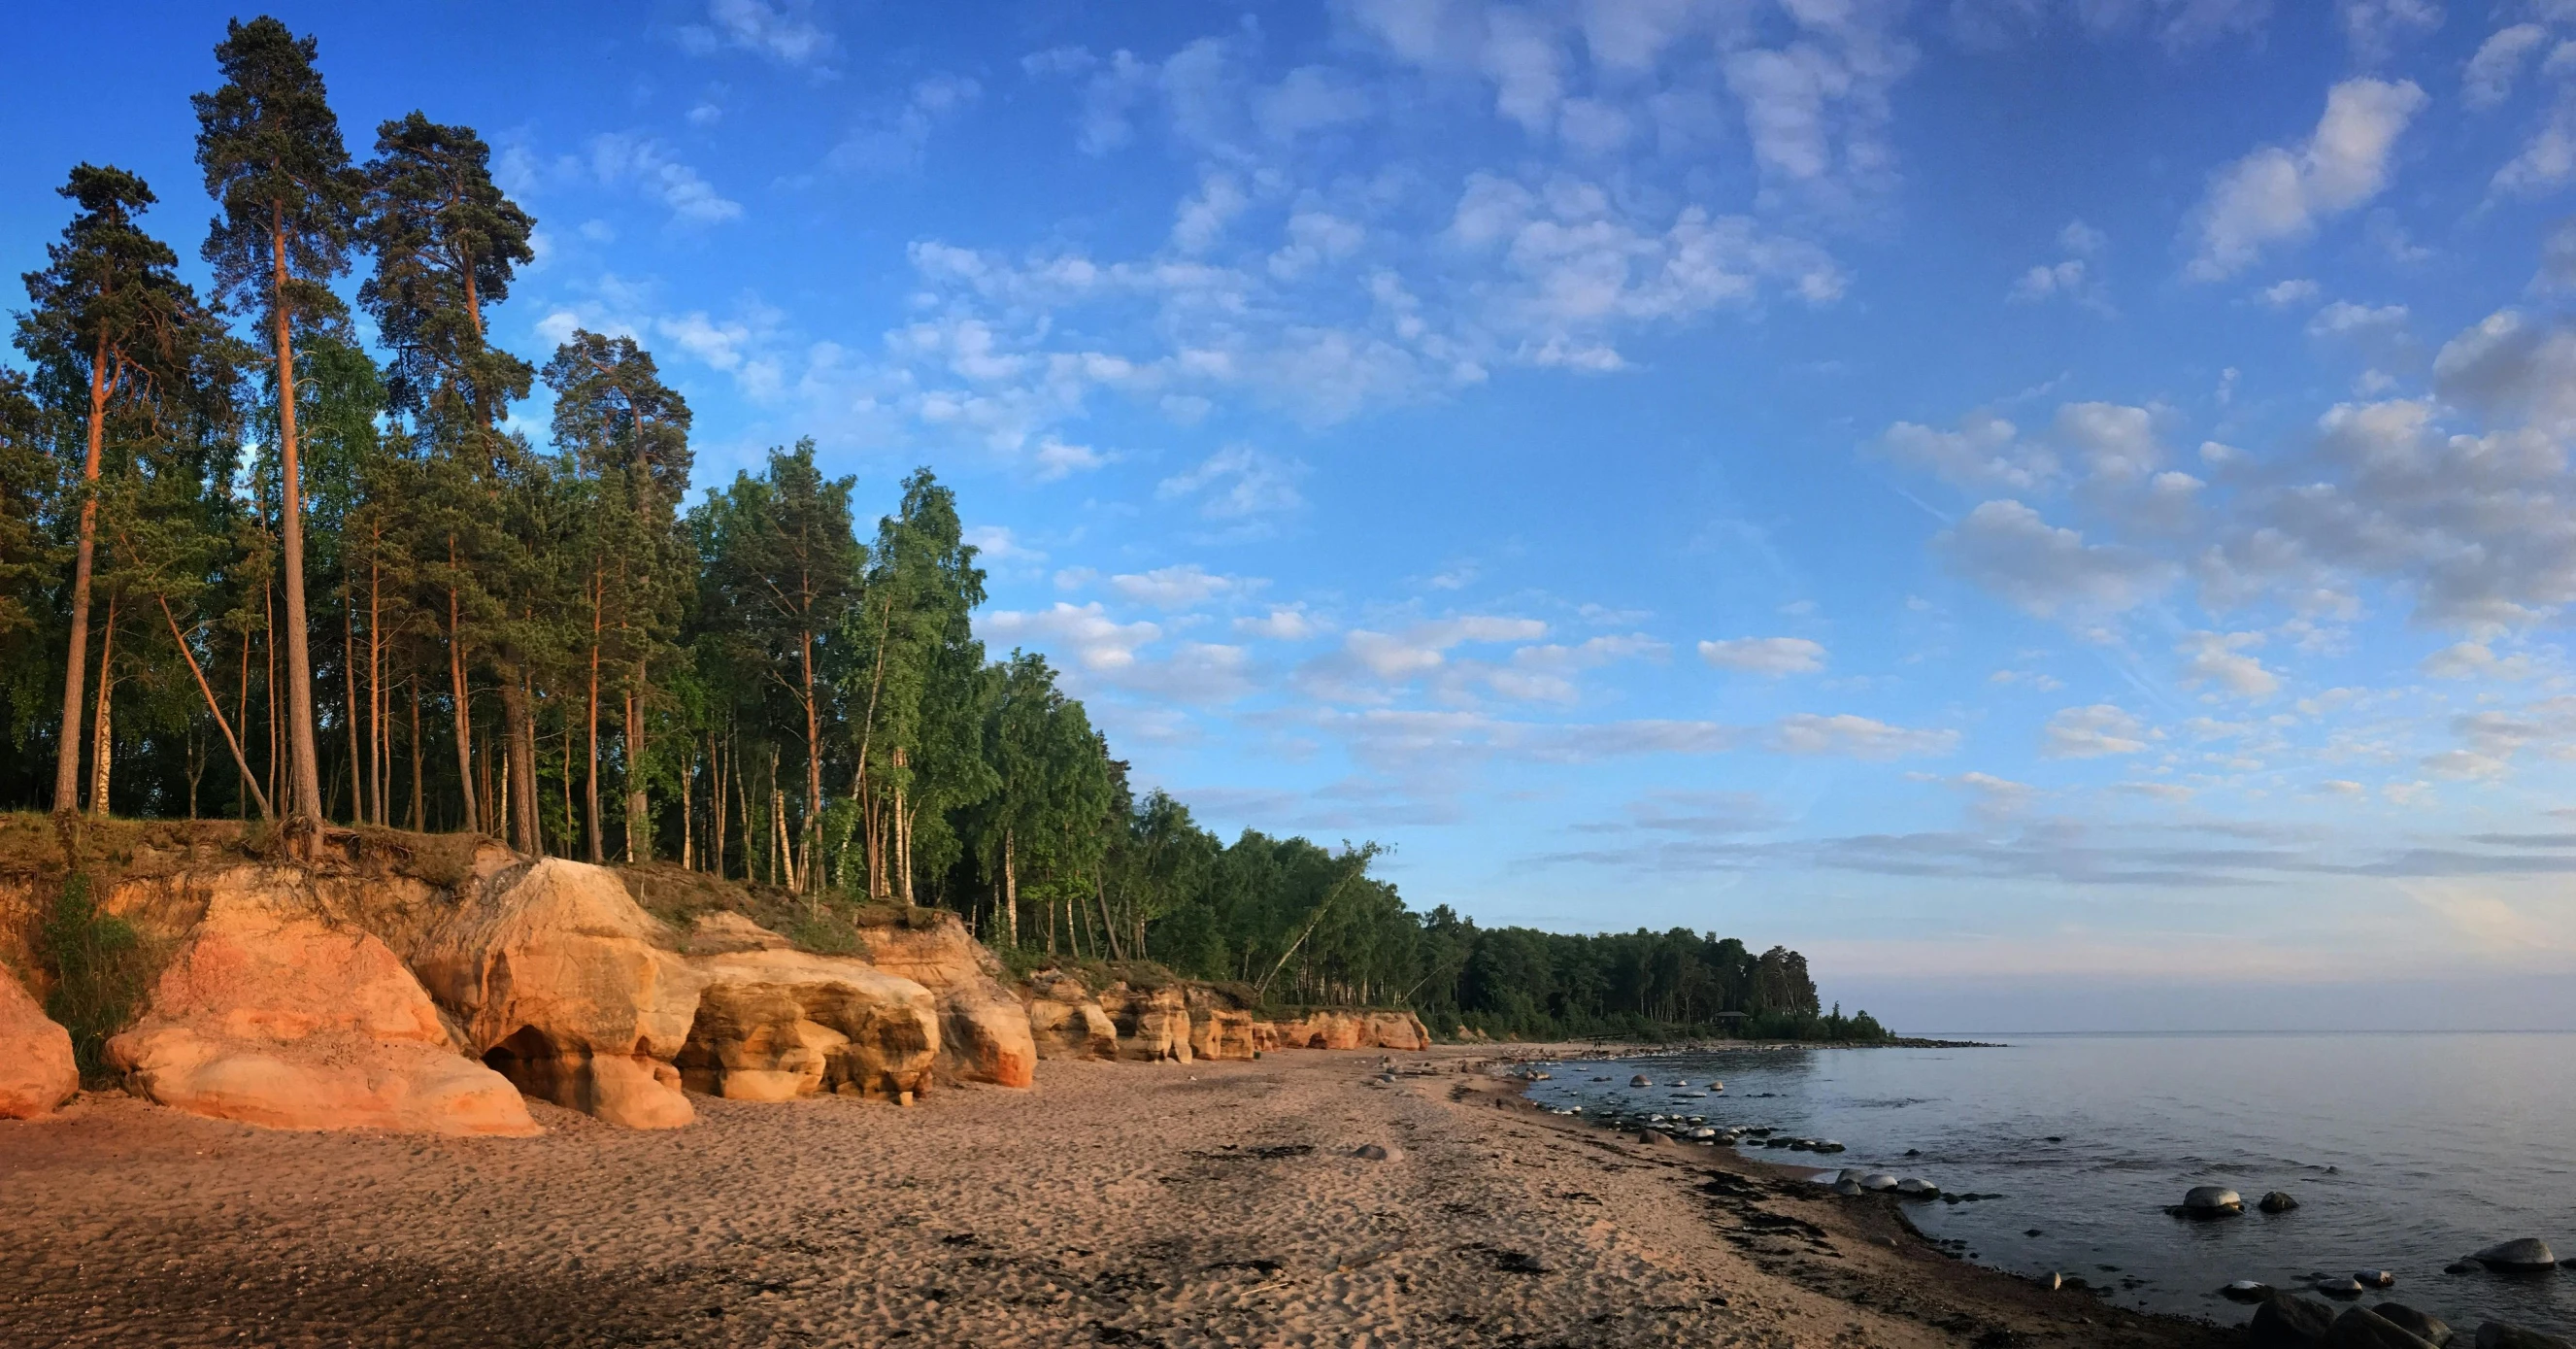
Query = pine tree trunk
x=103 y=741
x=419 y=815
x=67 y=745
x=590 y=789
x=519 y=787
x=639 y=811
x=349 y=684
x=813 y=830
x=304 y=762
x=462 y=706
x=268 y=694
x=380 y=741
x=241 y=718
x=1010 y=889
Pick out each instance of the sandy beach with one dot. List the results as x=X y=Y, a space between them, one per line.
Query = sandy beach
x=1202 y=1204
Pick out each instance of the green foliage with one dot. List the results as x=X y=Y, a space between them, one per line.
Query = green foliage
x=100 y=969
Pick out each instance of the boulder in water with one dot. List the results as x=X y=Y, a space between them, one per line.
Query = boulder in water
x=1641 y=1080
x=2498 y=1335
x=2246 y=1290
x=2362 y=1328
x=2277 y=1201
x=1878 y=1180
x=2286 y=1322
x=2375 y=1278
x=2522 y=1255
x=1848 y=1188
x=1912 y=1188
x=2332 y=1286
x=2432 y=1330
x=2212 y=1201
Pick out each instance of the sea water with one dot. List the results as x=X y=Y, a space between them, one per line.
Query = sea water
x=2405 y=1153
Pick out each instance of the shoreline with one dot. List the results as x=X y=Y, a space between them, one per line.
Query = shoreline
x=1115 y=1203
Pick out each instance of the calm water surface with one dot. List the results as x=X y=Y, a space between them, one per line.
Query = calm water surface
x=2404 y=1151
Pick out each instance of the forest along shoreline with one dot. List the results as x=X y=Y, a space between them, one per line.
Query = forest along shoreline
x=324 y=577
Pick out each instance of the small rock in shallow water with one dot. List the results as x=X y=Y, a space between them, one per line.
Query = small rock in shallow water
x=1641 y=1080
x=2498 y=1335
x=1912 y=1188
x=2335 y=1287
x=2286 y=1322
x=2520 y=1255
x=2430 y=1329
x=1878 y=1180
x=2211 y=1201
x=2362 y=1328
x=2277 y=1201
x=2375 y=1278
x=2246 y=1290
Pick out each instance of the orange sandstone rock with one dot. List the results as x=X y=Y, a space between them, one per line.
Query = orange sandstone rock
x=569 y=989
x=775 y=1024
x=1153 y=1027
x=272 y=1015
x=36 y=1068
x=1065 y=1020
x=1221 y=1033
x=984 y=1033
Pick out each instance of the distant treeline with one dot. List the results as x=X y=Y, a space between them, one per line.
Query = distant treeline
x=252 y=566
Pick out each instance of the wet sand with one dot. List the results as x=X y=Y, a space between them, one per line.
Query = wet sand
x=1119 y=1204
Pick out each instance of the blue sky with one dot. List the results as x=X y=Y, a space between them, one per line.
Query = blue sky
x=2058 y=510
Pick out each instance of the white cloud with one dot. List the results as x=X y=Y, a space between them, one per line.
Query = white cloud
x=894 y=141
x=2489 y=78
x=1055 y=459
x=1986 y=450
x=2548 y=160
x=2044 y=280
x=1083 y=635
x=1288 y=624
x=785 y=33
x=2091 y=733
x=1201 y=219
x=617 y=158
x=2288 y=294
x=1853 y=737
x=2116 y=442
x=1309 y=99
x=1185 y=586
x=1774 y=656
x=997 y=543
x=2275 y=195
x=1423 y=646
x=2374 y=28
x=2047 y=570
x=2083 y=241
x=2475 y=660
x=1238 y=483
x=2220 y=659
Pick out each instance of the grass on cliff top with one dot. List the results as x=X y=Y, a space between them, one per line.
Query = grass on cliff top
x=828 y=924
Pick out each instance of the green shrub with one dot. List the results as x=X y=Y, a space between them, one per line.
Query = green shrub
x=100 y=970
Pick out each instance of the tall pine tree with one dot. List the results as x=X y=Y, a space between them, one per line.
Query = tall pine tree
x=271 y=150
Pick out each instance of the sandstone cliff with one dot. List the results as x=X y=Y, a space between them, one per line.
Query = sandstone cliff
x=37 y=1073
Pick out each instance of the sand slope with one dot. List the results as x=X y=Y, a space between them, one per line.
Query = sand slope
x=1135 y=1204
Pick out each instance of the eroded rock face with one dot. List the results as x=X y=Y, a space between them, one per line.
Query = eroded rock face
x=37 y=1073
x=1066 y=1021
x=569 y=989
x=774 y=1024
x=1397 y=1030
x=1153 y=1027
x=273 y=1015
x=1221 y=1033
x=984 y=1033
